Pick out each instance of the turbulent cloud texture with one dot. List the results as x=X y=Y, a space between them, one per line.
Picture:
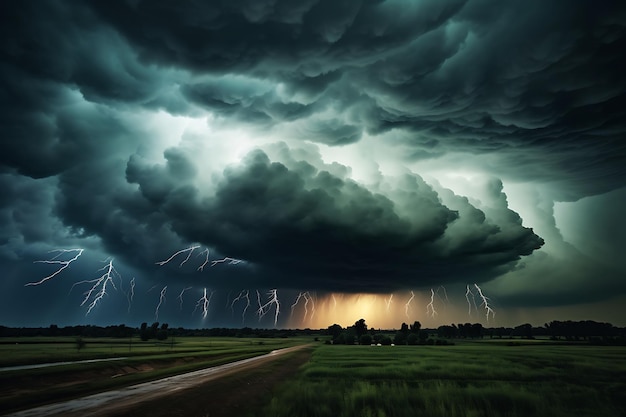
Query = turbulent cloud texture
x=355 y=146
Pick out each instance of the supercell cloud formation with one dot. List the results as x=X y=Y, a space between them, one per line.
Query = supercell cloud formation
x=334 y=146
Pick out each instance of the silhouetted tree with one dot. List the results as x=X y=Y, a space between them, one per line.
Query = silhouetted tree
x=335 y=330
x=360 y=327
x=415 y=327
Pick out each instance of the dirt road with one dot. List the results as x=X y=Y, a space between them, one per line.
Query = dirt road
x=107 y=403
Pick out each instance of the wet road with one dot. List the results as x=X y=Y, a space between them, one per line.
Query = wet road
x=109 y=402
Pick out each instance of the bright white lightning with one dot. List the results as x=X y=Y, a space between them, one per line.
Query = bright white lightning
x=406 y=306
x=265 y=308
x=308 y=298
x=99 y=287
x=469 y=293
x=161 y=301
x=204 y=303
x=296 y=303
x=190 y=250
x=485 y=304
x=244 y=294
x=64 y=263
x=231 y=261
x=206 y=259
x=180 y=297
x=430 y=308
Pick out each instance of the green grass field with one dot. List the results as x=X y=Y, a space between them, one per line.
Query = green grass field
x=142 y=361
x=33 y=350
x=468 y=379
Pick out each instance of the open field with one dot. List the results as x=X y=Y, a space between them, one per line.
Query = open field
x=144 y=361
x=468 y=379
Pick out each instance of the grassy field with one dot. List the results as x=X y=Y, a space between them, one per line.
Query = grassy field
x=468 y=379
x=142 y=362
x=33 y=350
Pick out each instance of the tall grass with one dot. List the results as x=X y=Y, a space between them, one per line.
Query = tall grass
x=472 y=380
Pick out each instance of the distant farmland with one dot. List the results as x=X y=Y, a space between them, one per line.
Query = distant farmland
x=470 y=379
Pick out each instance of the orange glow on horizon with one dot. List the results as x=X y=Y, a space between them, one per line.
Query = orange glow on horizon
x=381 y=311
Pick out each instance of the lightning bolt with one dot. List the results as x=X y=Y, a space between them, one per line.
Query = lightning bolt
x=430 y=308
x=485 y=304
x=161 y=301
x=469 y=293
x=190 y=250
x=308 y=299
x=406 y=306
x=388 y=302
x=131 y=293
x=206 y=259
x=230 y=261
x=54 y=260
x=204 y=302
x=99 y=287
x=244 y=294
x=265 y=308
x=445 y=294
x=296 y=303
x=180 y=296
x=151 y=288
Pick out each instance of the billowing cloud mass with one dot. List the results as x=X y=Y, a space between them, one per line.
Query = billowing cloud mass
x=331 y=146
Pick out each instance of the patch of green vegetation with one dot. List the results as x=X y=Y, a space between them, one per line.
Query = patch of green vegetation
x=463 y=380
x=186 y=354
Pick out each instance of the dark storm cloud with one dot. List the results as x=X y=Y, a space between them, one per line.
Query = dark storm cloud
x=541 y=84
x=537 y=86
x=309 y=228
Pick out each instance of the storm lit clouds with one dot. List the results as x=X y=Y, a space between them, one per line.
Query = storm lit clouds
x=335 y=147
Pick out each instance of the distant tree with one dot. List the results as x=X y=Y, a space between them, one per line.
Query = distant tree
x=335 y=330
x=360 y=327
x=385 y=341
x=415 y=327
x=365 y=339
x=144 y=334
x=404 y=328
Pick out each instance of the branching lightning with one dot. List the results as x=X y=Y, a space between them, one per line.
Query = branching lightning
x=229 y=261
x=244 y=294
x=206 y=259
x=190 y=250
x=485 y=304
x=180 y=297
x=388 y=302
x=407 y=305
x=54 y=260
x=161 y=301
x=308 y=298
x=204 y=303
x=99 y=287
x=445 y=294
x=430 y=307
x=469 y=293
x=265 y=308
x=293 y=306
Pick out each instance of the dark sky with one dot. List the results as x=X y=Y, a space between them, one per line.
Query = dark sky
x=332 y=148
